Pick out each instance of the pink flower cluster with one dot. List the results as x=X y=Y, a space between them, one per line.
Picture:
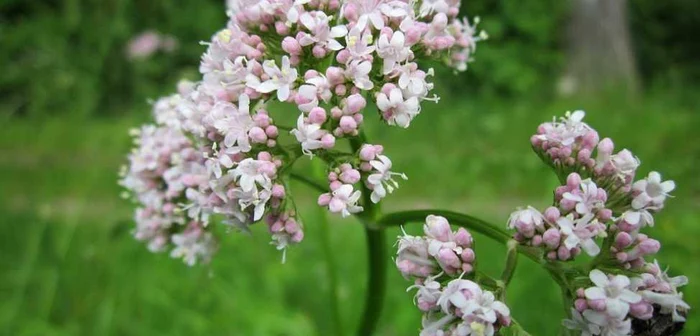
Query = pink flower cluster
x=161 y=167
x=597 y=200
x=327 y=59
x=610 y=305
x=451 y=305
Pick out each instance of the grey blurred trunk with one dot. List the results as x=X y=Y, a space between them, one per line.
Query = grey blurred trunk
x=600 y=54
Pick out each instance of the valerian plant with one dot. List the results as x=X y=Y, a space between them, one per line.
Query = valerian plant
x=216 y=156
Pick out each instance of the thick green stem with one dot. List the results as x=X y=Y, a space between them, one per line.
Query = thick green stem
x=324 y=230
x=376 y=281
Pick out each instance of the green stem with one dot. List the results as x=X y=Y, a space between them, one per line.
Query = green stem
x=511 y=263
x=376 y=281
x=469 y=222
x=309 y=182
x=324 y=228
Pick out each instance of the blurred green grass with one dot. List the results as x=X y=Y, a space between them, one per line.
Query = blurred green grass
x=70 y=267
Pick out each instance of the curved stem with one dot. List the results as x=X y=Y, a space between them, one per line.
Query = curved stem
x=309 y=182
x=469 y=222
x=376 y=281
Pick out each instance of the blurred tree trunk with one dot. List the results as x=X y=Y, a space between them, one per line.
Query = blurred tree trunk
x=600 y=54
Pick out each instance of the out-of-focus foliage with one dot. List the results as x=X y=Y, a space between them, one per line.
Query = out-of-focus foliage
x=67 y=57
x=665 y=37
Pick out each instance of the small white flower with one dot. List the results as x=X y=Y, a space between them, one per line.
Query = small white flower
x=615 y=291
x=412 y=81
x=638 y=218
x=321 y=33
x=625 y=164
x=393 y=50
x=609 y=325
x=381 y=180
x=457 y=294
x=281 y=79
x=651 y=191
x=193 y=245
x=344 y=200
x=248 y=175
x=396 y=110
x=309 y=135
x=359 y=43
x=235 y=123
x=580 y=232
x=358 y=71
x=527 y=215
x=586 y=199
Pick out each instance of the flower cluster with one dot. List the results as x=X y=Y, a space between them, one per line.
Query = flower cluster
x=615 y=303
x=598 y=198
x=162 y=167
x=600 y=209
x=326 y=58
x=451 y=305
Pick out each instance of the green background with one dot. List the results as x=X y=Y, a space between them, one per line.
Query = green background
x=69 y=266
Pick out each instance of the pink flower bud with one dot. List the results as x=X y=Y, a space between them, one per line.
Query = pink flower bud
x=347 y=124
x=257 y=135
x=317 y=115
x=340 y=90
x=324 y=199
x=350 y=176
x=298 y=236
x=642 y=310
x=563 y=253
x=343 y=56
x=271 y=131
x=551 y=238
x=281 y=28
x=573 y=180
x=355 y=103
x=335 y=185
x=552 y=214
x=604 y=215
x=536 y=240
x=598 y=304
x=336 y=112
x=580 y=305
x=623 y=240
x=367 y=153
x=335 y=75
x=278 y=191
x=291 y=46
x=328 y=141
x=649 y=246
x=318 y=51
x=468 y=255
x=605 y=147
x=463 y=238
x=438 y=228
x=448 y=257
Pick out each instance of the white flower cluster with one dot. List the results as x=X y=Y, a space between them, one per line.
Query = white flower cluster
x=459 y=307
x=326 y=58
x=609 y=306
x=162 y=167
x=600 y=201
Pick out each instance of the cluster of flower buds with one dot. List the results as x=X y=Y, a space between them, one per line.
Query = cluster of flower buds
x=607 y=203
x=325 y=57
x=599 y=199
x=615 y=304
x=439 y=261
